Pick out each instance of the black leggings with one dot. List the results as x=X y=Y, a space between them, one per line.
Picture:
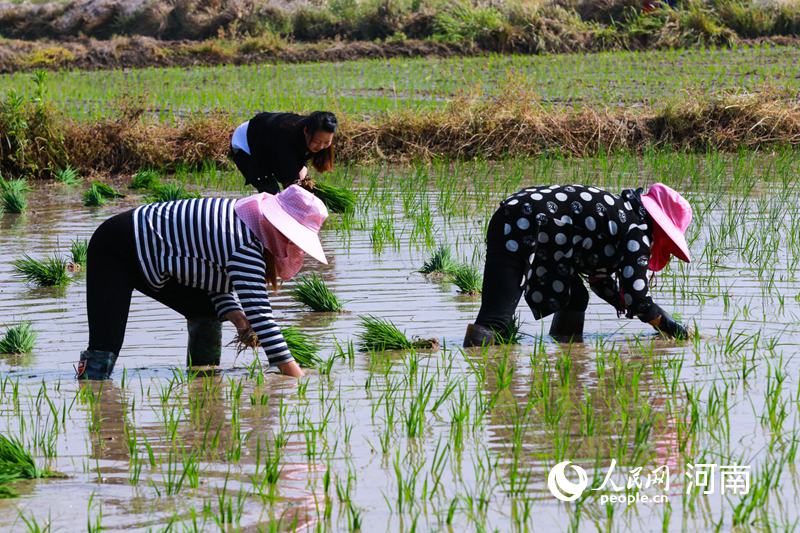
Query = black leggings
x=113 y=272
x=502 y=280
x=246 y=165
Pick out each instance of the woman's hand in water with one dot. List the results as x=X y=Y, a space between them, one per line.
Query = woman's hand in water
x=291 y=369
x=664 y=323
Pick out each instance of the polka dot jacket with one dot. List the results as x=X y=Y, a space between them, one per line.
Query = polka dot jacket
x=564 y=231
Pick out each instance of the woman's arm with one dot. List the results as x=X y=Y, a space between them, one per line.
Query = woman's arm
x=246 y=271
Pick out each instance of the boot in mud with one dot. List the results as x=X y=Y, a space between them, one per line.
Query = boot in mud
x=205 y=341
x=478 y=335
x=567 y=326
x=96 y=365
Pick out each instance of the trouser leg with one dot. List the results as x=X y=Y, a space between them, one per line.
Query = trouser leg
x=567 y=325
x=205 y=329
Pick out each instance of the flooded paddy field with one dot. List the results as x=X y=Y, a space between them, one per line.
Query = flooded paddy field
x=426 y=440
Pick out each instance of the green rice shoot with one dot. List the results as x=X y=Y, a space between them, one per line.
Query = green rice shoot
x=511 y=333
x=379 y=334
x=304 y=350
x=98 y=192
x=67 y=176
x=312 y=291
x=147 y=179
x=16 y=463
x=336 y=199
x=18 y=339
x=13 y=195
x=441 y=262
x=169 y=193
x=78 y=251
x=51 y=272
x=468 y=279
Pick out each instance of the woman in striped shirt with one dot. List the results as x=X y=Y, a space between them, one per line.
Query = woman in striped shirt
x=208 y=259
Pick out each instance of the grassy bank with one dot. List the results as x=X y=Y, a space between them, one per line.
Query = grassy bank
x=39 y=141
x=372 y=87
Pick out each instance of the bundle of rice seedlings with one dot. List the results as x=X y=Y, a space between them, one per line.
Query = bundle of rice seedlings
x=67 y=176
x=92 y=197
x=510 y=334
x=304 y=350
x=169 y=193
x=78 y=251
x=52 y=272
x=97 y=193
x=336 y=199
x=146 y=179
x=16 y=463
x=13 y=194
x=468 y=279
x=441 y=262
x=312 y=291
x=380 y=334
x=18 y=339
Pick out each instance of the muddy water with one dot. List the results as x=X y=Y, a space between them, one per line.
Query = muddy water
x=494 y=477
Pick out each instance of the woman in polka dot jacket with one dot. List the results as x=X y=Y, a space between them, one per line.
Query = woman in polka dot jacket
x=543 y=242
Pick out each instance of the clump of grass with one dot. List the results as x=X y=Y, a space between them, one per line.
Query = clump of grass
x=13 y=194
x=336 y=199
x=312 y=291
x=18 y=339
x=146 y=179
x=468 y=279
x=380 y=334
x=97 y=193
x=304 y=350
x=441 y=262
x=170 y=192
x=78 y=251
x=510 y=334
x=67 y=176
x=52 y=272
x=16 y=463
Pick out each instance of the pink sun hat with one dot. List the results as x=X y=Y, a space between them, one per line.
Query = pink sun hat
x=294 y=212
x=672 y=214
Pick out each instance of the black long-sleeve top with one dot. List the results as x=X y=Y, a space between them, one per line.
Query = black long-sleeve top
x=278 y=150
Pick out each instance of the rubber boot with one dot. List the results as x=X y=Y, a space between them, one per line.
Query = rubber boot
x=478 y=335
x=567 y=326
x=96 y=364
x=205 y=341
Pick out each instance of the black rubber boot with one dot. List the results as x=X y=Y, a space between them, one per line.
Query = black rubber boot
x=478 y=335
x=567 y=326
x=205 y=342
x=96 y=364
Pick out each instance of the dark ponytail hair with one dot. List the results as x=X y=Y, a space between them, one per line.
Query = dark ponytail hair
x=321 y=121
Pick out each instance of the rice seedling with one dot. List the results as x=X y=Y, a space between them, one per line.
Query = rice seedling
x=312 y=291
x=67 y=176
x=441 y=262
x=18 y=339
x=511 y=333
x=468 y=279
x=169 y=193
x=16 y=463
x=147 y=179
x=14 y=195
x=98 y=193
x=78 y=251
x=336 y=199
x=302 y=346
x=52 y=272
x=379 y=334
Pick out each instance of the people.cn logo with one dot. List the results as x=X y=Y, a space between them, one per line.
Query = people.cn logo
x=561 y=487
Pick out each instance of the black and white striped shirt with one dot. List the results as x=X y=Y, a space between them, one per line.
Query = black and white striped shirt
x=202 y=243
